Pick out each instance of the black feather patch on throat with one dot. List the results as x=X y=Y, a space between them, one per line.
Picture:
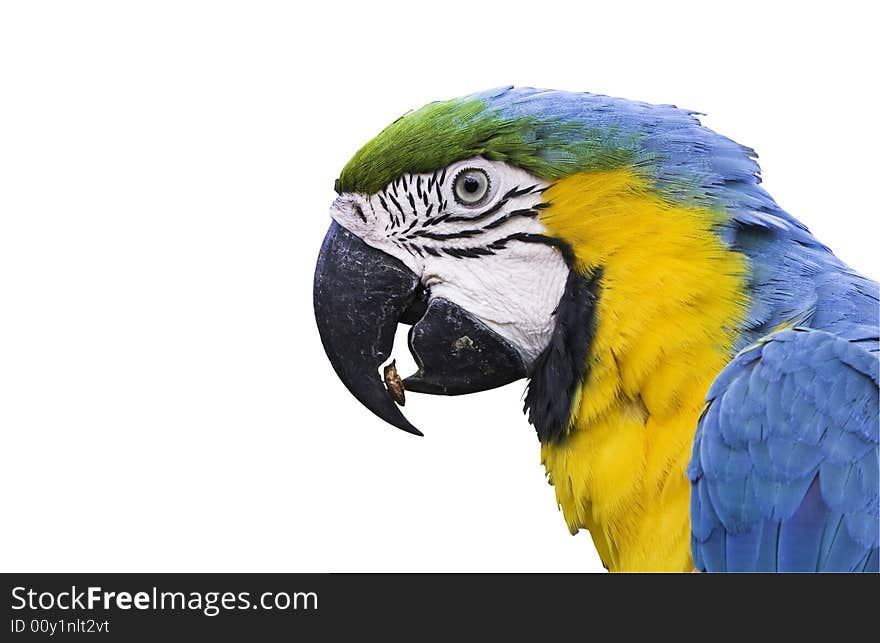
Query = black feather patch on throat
x=562 y=367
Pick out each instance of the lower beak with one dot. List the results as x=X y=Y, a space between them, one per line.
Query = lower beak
x=362 y=293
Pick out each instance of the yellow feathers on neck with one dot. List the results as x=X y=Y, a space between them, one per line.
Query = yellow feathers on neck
x=672 y=296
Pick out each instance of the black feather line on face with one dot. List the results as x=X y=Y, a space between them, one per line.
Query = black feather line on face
x=528 y=237
x=562 y=367
x=483 y=215
x=467 y=253
x=510 y=215
x=495 y=246
x=517 y=191
x=396 y=204
x=411 y=226
x=441 y=236
x=436 y=220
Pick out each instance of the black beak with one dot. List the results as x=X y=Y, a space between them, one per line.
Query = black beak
x=458 y=354
x=360 y=296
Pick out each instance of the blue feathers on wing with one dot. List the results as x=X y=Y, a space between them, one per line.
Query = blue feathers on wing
x=784 y=469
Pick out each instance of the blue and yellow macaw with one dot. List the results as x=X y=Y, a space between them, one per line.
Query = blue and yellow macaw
x=703 y=373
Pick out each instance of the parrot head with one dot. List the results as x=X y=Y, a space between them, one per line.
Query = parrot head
x=445 y=222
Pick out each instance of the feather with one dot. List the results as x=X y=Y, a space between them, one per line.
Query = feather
x=744 y=549
x=713 y=551
x=841 y=488
x=845 y=554
x=871 y=563
x=806 y=496
x=869 y=475
x=800 y=535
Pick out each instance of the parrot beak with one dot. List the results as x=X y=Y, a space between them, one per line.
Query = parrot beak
x=360 y=296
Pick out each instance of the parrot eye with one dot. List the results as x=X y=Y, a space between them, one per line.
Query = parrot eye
x=471 y=186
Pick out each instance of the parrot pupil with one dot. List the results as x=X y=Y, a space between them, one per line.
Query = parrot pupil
x=471 y=186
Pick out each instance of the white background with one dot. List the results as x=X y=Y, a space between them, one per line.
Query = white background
x=165 y=174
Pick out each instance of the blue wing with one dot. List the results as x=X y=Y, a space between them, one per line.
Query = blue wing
x=784 y=470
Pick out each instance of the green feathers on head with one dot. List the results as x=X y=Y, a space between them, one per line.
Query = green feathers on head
x=441 y=133
x=553 y=134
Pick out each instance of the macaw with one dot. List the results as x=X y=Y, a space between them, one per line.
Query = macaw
x=702 y=372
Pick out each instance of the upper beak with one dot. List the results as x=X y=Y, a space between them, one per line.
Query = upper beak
x=362 y=293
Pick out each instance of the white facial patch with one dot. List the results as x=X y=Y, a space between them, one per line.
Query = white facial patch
x=490 y=257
